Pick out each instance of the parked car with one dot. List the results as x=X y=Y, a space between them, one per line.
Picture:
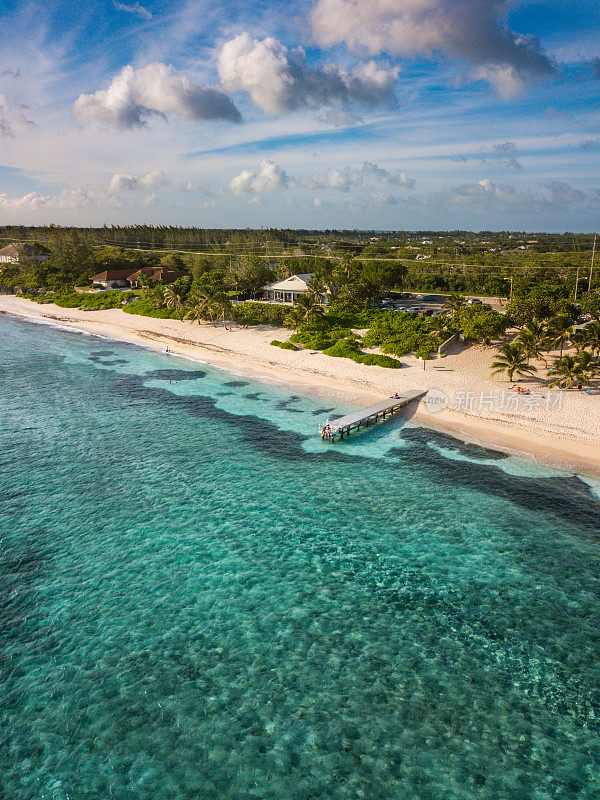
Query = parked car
x=474 y=301
x=430 y=298
x=415 y=310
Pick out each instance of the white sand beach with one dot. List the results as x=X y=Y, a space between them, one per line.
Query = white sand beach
x=562 y=428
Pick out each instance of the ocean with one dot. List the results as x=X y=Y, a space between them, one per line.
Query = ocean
x=200 y=599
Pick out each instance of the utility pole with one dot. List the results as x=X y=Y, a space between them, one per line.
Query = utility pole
x=592 y=267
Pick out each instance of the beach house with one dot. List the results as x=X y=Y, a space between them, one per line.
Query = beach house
x=288 y=290
x=18 y=253
x=122 y=278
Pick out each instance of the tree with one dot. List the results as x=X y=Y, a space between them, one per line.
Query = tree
x=156 y=295
x=567 y=371
x=173 y=300
x=533 y=338
x=481 y=323
x=71 y=257
x=561 y=332
x=317 y=288
x=512 y=359
x=455 y=303
x=201 y=307
x=309 y=308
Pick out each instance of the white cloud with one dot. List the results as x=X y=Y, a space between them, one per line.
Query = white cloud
x=269 y=178
x=343 y=180
x=507 y=80
x=279 y=80
x=10 y=121
x=28 y=202
x=137 y=9
x=151 y=181
x=135 y=95
x=470 y=30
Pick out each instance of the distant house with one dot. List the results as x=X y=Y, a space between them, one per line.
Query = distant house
x=120 y=278
x=113 y=278
x=17 y=253
x=288 y=290
x=154 y=274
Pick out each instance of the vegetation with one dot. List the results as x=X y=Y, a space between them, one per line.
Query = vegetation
x=535 y=274
x=511 y=358
x=284 y=345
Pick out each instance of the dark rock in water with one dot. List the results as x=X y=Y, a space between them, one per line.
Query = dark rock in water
x=253 y=396
x=322 y=411
x=236 y=384
x=174 y=375
x=102 y=353
x=427 y=436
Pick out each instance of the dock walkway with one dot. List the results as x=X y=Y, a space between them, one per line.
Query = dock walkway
x=368 y=416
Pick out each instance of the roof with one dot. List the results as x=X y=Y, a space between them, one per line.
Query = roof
x=18 y=249
x=295 y=283
x=113 y=275
x=158 y=273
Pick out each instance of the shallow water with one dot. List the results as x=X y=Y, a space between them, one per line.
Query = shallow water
x=202 y=600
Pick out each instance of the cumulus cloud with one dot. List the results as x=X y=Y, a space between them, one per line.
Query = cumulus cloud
x=135 y=95
x=137 y=9
x=151 y=181
x=470 y=30
x=269 y=178
x=342 y=180
x=280 y=80
x=28 y=202
x=555 y=195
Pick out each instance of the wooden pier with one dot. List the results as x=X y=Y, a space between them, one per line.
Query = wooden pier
x=368 y=416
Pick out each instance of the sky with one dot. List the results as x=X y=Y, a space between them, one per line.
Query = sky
x=370 y=114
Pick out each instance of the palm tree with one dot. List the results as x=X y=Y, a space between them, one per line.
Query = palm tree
x=532 y=338
x=173 y=300
x=568 y=370
x=293 y=319
x=512 y=359
x=317 y=288
x=588 y=362
x=156 y=296
x=310 y=310
x=201 y=308
x=591 y=336
x=561 y=332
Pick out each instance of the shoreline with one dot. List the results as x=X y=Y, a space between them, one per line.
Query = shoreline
x=568 y=439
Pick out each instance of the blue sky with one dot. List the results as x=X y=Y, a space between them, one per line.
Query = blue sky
x=386 y=114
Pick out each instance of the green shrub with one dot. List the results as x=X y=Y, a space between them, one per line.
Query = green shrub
x=347 y=348
x=145 y=308
x=259 y=314
x=320 y=338
x=284 y=345
x=425 y=351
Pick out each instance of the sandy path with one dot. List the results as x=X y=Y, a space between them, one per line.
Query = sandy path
x=564 y=429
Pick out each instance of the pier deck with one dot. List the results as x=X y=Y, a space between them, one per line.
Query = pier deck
x=368 y=416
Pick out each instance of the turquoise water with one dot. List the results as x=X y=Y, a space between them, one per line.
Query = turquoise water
x=200 y=600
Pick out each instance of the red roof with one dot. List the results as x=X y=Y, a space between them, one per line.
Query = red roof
x=113 y=275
